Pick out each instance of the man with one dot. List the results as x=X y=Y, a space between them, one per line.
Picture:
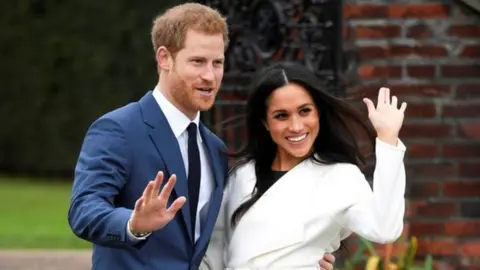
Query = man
x=158 y=137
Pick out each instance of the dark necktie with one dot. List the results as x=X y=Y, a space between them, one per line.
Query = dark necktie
x=194 y=172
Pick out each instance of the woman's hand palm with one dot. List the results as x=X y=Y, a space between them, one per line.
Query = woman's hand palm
x=386 y=118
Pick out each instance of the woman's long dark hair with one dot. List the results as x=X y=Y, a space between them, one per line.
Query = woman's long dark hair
x=343 y=128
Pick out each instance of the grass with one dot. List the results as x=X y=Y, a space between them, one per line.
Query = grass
x=33 y=214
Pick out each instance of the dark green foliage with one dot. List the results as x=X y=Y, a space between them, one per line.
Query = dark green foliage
x=63 y=64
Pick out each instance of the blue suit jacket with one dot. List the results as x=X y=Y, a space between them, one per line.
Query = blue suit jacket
x=121 y=152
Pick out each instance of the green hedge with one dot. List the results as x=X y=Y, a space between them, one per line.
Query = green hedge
x=63 y=64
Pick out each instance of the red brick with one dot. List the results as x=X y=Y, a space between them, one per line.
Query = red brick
x=346 y=31
x=430 y=170
x=443 y=265
x=369 y=71
x=469 y=169
x=424 y=189
x=439 y=130
x=461 y=109
x=374 y=32
x=423 y=150
x=372 y=52
x=365 y=11
x=468 y=91
x=421 y=71
x=432 y=10
x=464 y=228
x=402 y=90
x=469 y=208
x=471 y=249
x=419 y=31
x=422 y=50
x=462 y=264
x=420 y=229
x=471 y=51
x=461 y=189
x=460 y=71
x=421 y=110
x=426 y=10
x=469 y=130
x=376 y=52
x=433 y=209
x=462 y=150
x=468 y=31
x=439 y=248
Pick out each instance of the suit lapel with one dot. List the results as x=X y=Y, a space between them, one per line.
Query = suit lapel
x=167 y=145
x=213 y=154
x=216 y=197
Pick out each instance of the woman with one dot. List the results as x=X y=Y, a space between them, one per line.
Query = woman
x=298 y=191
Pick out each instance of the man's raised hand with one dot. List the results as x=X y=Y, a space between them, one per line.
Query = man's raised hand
x=151 y=212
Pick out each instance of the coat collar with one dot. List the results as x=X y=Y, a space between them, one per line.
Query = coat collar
x=274 y=210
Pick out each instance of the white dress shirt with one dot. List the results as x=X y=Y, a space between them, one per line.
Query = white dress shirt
x=178 y=123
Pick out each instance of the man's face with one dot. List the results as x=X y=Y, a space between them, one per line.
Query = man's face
x=195 y=73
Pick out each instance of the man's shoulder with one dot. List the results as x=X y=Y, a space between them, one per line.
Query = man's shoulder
x=123 y=115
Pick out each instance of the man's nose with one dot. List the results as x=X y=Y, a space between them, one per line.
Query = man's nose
x=208 y=74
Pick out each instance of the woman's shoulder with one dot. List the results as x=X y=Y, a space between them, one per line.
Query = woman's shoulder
x=241 y=170
x=242 y=167
x=340 y=170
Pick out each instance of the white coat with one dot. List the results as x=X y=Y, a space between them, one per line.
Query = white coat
x=307 y=212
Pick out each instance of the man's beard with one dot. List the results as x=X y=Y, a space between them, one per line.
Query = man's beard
x=181 y=93
x=186 y=95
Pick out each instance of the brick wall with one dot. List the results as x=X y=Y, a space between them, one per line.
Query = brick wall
x=428 y=53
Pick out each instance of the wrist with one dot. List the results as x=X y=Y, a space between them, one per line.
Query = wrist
x=389 y=138
x=135 y=232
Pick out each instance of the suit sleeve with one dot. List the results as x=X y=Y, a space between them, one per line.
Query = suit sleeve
x=378 y=215
x=100 y=174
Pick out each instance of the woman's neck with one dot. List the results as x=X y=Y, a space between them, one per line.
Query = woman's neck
x=283 y=163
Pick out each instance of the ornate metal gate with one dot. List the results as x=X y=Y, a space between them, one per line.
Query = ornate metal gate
x=265 y=31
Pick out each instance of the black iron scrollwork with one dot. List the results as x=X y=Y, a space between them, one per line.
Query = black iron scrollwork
x=265 y=31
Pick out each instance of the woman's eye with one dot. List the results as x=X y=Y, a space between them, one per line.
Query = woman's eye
x=305 y=111
x=280 y=116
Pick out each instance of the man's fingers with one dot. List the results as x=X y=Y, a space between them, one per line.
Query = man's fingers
x=158 y=184
x=139 y=204
x=167 y=189
x=176 y=205
x=147 y=193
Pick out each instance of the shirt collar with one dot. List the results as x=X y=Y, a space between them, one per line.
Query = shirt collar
x=177 y=120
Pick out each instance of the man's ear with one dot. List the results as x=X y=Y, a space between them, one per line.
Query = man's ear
x=164 y=58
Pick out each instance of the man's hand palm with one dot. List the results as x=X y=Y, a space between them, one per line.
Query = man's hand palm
x=151 y=212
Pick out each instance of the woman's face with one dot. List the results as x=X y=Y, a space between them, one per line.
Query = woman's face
x=293 y=122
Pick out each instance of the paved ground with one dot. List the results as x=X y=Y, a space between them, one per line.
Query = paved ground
x=44 y=260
